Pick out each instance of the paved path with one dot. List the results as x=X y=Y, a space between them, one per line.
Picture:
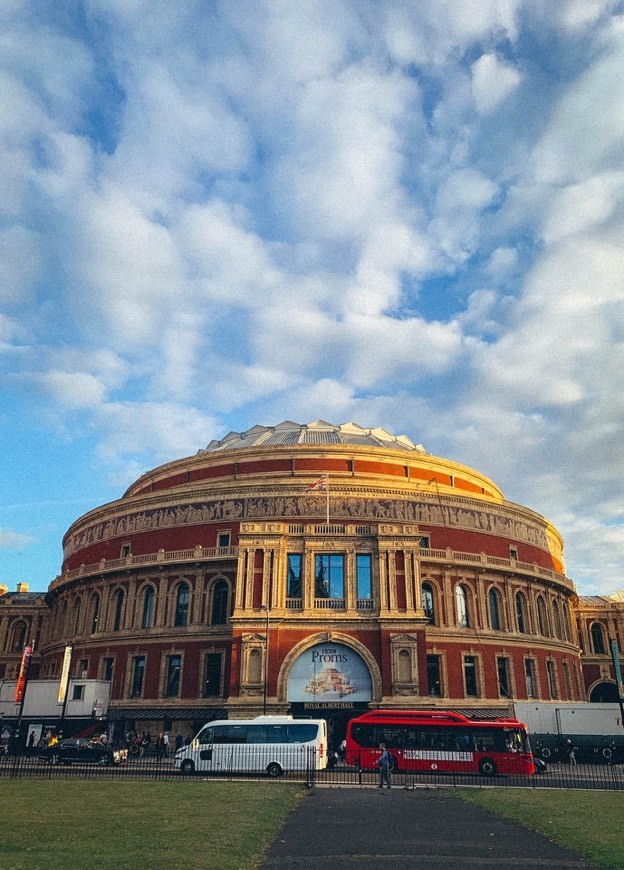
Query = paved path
x=428 y=829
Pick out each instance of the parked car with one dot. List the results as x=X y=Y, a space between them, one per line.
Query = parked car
x=79 y=750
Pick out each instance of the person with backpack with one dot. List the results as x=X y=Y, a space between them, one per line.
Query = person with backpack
x=385 y=766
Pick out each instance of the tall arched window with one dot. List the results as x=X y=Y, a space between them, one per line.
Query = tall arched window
x=521 y=613
x=76 y=618
x=495 y=609
x=428 y=602
x=19 y=637
x=147 y=619
x=461 y=603
x=95 y=612
x=219 y=610
x=597 y=636
x=556 y=620
x=183 y=598
x=542 y=617
x=118 y=605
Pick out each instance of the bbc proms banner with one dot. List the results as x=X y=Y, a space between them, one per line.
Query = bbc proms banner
x=329 y=672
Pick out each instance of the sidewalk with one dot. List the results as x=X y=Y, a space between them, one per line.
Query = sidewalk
x=428 y=829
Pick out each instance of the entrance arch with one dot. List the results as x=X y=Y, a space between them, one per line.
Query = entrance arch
x=367 y=683
x=604 y=693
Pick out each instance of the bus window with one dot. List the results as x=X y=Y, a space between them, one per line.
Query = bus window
x=230 y=734
x=460 y=740
x=366 y=735
x=489 y=740
x=391 y=736
x=433 y=738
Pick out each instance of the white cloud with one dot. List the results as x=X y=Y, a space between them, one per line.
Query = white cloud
x=12 y=540
x=492 y=82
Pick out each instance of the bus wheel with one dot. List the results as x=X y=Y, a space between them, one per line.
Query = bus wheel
x=187 y=767
x=274 y=770
x=487 y=767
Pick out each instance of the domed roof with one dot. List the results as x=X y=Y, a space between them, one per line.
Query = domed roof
x=317 y=433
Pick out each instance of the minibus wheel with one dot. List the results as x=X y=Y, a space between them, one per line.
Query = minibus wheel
x=187 y=767
x=274 y=770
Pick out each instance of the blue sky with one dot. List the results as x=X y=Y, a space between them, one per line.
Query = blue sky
x=404 y=214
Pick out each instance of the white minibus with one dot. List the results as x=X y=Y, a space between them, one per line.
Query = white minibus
x=273 y=744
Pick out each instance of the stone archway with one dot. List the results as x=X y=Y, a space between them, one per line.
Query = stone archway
x=604 y=692
x=329 y=637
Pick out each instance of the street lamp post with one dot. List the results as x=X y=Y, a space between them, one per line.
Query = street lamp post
x=266 y=658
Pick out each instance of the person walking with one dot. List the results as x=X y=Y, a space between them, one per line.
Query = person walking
x=385 y=765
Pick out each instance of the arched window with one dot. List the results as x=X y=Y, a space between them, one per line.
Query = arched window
x=147 y=620
x=542 y=617
x=95 y=612
x=597 y=636
x=556 y=620
x=76 y=617
x=183 y=598
x=404 y=666
x=521 y=613
x=118 y=600
x=428 y=602
x=461 y=603
x=219 y=610
x=495 y=609
x=19 y=637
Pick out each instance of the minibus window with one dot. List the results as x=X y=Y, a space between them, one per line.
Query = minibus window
x=205 y=736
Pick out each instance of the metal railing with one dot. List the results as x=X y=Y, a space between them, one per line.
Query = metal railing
x=244 y=762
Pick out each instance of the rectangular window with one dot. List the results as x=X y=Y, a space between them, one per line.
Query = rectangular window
x=108 y=665
x=363 y=572
x=294 y=587
x=502 y=669
x=172 y=682
x=138 y=673
x=125 y=550
x=212 y=675
x=78 y=693
x=83 y=668
x=470 y=676
x=433 y=676
x=552 y=679
x=529 y=673
x=513 y=553
x=329 y=576
x=223 y=539
x=425 y=542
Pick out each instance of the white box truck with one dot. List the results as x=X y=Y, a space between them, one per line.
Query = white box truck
x=595 y=730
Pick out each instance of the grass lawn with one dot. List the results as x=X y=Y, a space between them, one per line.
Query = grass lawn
x=61 y=825
x=590 y=822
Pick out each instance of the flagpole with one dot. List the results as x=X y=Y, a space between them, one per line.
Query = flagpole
x=327 y=491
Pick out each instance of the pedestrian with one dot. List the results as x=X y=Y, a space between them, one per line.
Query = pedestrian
x=571 y=750
x=342 y=750
x=385 y=765
x=179 y=741
x=165 y=744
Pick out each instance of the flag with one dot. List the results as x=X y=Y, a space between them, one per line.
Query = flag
x=23 y=675
x=321 y=483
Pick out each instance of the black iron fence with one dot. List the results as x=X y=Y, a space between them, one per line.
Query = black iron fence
x=292 y=765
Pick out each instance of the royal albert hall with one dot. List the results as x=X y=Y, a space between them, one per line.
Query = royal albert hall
x=314 y=570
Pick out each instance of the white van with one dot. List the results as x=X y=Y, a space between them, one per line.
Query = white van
x=273 y=744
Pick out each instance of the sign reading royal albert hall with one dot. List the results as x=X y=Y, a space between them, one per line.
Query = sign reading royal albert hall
x=329 y=672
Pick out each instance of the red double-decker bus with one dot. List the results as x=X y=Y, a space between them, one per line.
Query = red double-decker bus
x=439 y=741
